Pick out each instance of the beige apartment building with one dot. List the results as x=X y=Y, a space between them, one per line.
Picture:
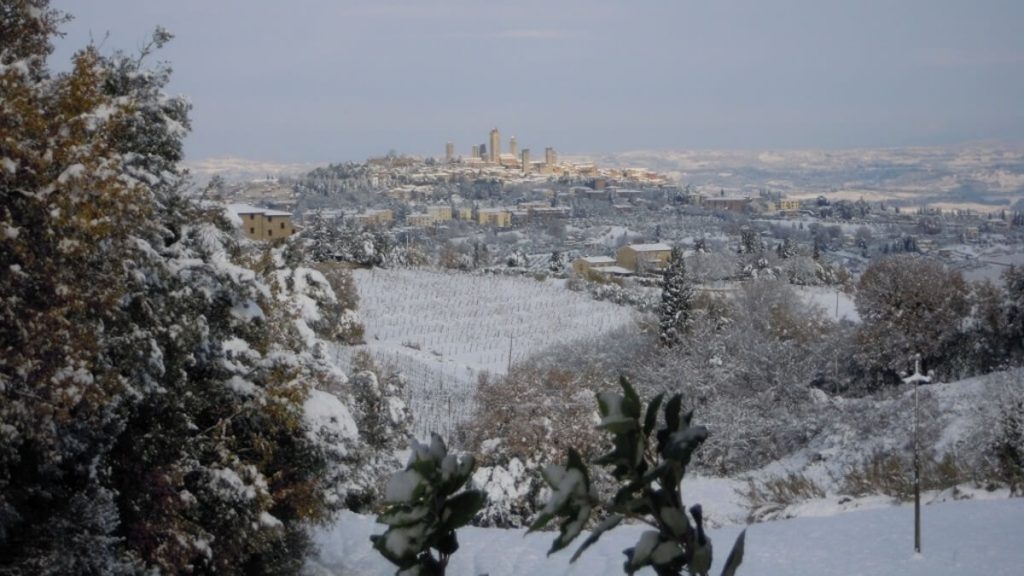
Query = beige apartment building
x=494 y=217
x=262 y=223
x=380 y=217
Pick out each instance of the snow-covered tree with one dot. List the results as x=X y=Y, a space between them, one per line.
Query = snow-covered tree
x=909 y=305
x=1014 y=281
x=384 y=424
x=761 y=347
x=159 y=405
x=322 y=236
x=328 y=239
x=676 y=311
x=556 y=264
x=987 y=346
x=788 y=248
x=750 y=241
x=517 y=259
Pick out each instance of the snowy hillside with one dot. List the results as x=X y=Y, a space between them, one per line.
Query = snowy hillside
x=966 y=530
x=441 y=330
x=973 y=537
x=952 y=415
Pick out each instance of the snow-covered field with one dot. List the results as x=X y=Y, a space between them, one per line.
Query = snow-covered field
x=441 y=330
x=958 y=538
x=836 y=304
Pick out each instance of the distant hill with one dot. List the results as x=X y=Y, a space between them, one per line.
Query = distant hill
x=234 y=169
x=979 y=177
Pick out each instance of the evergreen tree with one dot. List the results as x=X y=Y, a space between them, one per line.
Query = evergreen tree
x=555 y=264
x=676 y=301
x=1014 y=316
x=988 y=344
x=153 y=385
x=384 y=426
x=321 y=236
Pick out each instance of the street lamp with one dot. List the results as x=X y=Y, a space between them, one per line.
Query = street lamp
x=917 y=378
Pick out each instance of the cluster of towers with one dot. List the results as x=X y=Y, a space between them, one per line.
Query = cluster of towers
x=491 y=153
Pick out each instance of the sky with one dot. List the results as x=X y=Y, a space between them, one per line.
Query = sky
x=335 y=80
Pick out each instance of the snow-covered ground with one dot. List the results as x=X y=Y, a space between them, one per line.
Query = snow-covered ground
x=951 y=412
x=958 y=538
x=442 y=329
x=992 y=266
x=966 y=530
x=837 y=305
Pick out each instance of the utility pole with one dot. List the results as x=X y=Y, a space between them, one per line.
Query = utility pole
x=916 y=379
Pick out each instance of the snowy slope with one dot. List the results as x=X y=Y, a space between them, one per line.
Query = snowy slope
x=442 y=329
x=970 y=537
x=951 y=414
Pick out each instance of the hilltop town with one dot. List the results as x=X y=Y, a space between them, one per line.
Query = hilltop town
x=496 y=205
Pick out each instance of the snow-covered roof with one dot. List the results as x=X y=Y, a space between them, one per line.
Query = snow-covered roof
x=659 y=247
x=617 y=270
x=598 y=260
x=239 y=209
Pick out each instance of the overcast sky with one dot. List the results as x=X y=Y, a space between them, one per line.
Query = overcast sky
x=330 y=80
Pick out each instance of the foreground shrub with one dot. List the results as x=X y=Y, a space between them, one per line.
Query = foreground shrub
x=649 y=470
x=426 y=508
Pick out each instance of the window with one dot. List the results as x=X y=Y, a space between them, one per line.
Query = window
x=252 y=216
x=252 y=230
x=282 y=225
x=270 y=232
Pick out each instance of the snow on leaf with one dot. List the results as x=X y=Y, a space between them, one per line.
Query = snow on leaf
x=403 y=486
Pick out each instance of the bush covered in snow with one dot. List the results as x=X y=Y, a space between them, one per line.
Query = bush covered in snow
x=383 y=420
x=614 y=291
x=426 y=505
x=1004 y=445
x=761 y=347
x=527 y=420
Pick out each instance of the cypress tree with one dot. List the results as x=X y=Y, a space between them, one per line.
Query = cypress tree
x=676 y=301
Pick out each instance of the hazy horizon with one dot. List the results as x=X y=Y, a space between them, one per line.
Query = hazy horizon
x=331 y=81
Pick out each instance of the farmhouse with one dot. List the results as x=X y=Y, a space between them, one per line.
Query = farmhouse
x=262 y=223
x=643 y=257
x=591 y=264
